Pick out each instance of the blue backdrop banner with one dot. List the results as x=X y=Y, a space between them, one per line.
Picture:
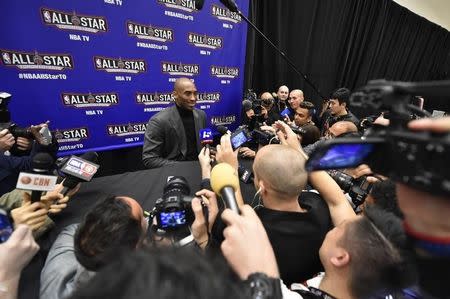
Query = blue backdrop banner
x=99 y=69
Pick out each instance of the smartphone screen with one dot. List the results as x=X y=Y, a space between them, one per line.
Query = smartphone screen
x=5 y=226
x=172 y=219
x=335 y=156
x=238 y=139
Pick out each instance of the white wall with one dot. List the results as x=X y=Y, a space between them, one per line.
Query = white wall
x=437 y=11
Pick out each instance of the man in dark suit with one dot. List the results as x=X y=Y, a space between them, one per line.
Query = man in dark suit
x=173 y=134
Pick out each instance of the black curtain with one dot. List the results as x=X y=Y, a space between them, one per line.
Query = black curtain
x=344 y=43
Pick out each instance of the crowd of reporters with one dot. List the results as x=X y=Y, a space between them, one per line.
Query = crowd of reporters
x=306 y=235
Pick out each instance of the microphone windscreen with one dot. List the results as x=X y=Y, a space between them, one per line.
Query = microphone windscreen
x=223 y=175
x=222 y=130
x=42 y=162
x=199 y=4
x=246 y=105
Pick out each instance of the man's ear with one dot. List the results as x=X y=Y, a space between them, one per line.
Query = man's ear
x=344 y=104
x=340 y=258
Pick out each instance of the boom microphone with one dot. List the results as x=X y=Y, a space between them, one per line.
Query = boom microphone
x=230 y=4
x=199 y=4
x=224 y=182
x=72 y=181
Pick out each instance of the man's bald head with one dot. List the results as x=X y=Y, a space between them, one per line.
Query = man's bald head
x=342 y=127
x=266 y=96
x=283 y=92
x=282 y=169
x=295 y=98
x=185 y=93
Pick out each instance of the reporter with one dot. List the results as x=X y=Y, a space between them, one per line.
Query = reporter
x=15 y=254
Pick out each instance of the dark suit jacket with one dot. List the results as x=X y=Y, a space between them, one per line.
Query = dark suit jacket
x=165 y=139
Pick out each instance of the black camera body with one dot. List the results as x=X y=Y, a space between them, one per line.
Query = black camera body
x=173 y=210
x=357 y=189
x=17 y=131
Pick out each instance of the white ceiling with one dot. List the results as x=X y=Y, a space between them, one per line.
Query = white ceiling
x=437 y=11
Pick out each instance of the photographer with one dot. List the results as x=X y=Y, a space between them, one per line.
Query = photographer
x=338 y=110
x=346 y=253
x=114 y=226
x=11 y=166
x=270 y=115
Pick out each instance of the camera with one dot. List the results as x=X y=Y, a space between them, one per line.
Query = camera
x=173 y=209
x=357 y=189
x=5 y=119
x=416 y=159
x=6 y=227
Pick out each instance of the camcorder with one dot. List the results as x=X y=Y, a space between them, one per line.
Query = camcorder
x=173 y=210
x=416 y=159
x=14 y=129
x=357 y=189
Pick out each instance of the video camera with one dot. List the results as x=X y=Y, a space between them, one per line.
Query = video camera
x=416 y=159
x=173 y=209
x=357 y=189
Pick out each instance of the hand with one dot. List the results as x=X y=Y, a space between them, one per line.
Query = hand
x=424 y=212
x=268 y=129
x=287 y=136
x=32 y=214
x=16 y=253
x=359 y=171
x=37 y=135
x=199 y=230
x=246 y=246
x=55 y=201
x=225 y=152
x=246 y=152
x=6 y=140
x=23 y=143
x=204 y=159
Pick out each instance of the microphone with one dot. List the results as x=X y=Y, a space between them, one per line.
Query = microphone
x=224 y=182
x=42 y=163
x=223 y=130
x=230 y=4
x=199 y=4
x=206 y=137
x=73 y=176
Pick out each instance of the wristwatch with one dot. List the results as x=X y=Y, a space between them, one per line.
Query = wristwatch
x=261 y=286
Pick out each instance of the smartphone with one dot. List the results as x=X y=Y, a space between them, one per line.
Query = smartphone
x=46 y=135
x=342 y=153
x=6 y=228
x=172 y=219
x=239 y=137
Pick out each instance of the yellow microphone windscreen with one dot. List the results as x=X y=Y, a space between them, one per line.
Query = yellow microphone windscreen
x=223 y=175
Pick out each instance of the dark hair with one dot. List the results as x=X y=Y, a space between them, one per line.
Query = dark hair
x=376 y=264
x=309 y=106
x=341 y=94
x=385 y=197
x=162 y=273
x=106 y=231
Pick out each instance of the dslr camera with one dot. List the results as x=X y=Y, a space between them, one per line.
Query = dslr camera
x=173 y=209
x=357 y=189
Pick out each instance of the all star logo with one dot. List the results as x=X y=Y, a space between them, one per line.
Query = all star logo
x=205 y=41
x=155 y=98
x=86 y=100
x=73 y=21
x=71 y=135
x=119 y=65
x=223 y=120
x=208 y=97
x=225 y=14
x=180 y=69
x=224 y=71
x=185 y=5
x=149 y=32
x=126 y=129
x=37 y=61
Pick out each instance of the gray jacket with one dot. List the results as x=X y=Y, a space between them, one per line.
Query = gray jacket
x=62 y=274
x=165 y=139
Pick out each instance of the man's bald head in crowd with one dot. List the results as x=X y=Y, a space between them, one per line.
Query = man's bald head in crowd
x=342 y=127
x=283 y=92
x=281 y=169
